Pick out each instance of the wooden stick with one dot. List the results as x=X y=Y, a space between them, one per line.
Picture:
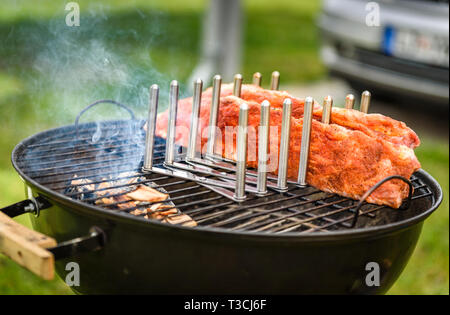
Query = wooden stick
x=27 y=247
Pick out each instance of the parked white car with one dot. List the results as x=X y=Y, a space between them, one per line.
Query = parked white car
x=398 y=46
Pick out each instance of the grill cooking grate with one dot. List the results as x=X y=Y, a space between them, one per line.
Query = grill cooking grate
x=108 y=150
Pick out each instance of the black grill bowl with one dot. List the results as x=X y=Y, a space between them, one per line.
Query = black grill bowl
x=150 y=257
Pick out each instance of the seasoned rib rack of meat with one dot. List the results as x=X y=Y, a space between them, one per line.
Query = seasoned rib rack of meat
x=374 y=125
x=343 y=161
x=346 y=157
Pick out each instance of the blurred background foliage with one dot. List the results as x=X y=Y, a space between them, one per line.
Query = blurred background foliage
x=49 y=72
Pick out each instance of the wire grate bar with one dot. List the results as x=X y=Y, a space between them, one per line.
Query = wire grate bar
x=148 y=204
x=182 y=205
x=122 y=192
x=69 y=178
x=71 y=136
x=75 y=153
x=71 y=146
x=262 y=204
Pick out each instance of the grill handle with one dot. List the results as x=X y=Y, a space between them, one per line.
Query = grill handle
x=77 y=119
x=26 y=206
x=375 y=187
x=36 y=251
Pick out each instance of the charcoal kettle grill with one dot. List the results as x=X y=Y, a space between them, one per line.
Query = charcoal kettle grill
x=296 y=240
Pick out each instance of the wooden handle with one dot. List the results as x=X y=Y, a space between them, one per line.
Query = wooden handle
x=27 y=247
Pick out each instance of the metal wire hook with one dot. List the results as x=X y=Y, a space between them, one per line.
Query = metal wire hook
x=375 y=187
x=77 y=119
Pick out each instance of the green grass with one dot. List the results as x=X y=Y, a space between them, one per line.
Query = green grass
x=49 y=72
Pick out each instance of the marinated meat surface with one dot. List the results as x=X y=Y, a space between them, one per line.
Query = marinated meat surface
x=347 y=157
x=343 y=161
x=373 y=125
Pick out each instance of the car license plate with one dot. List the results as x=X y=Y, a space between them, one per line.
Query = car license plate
x=416 y=46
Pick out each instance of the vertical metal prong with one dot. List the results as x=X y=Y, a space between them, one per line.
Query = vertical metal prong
x=275 y=80
x=306 y=137
x=237 y=86
x=241 y=160
x=365 y=102
x=213 y=114
x=327 y=109
x=350 y=101
x=257 y=77
x=171 y=123
x=151 y=125
x=284 y=145
x=193 y=132
x=263 y=146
